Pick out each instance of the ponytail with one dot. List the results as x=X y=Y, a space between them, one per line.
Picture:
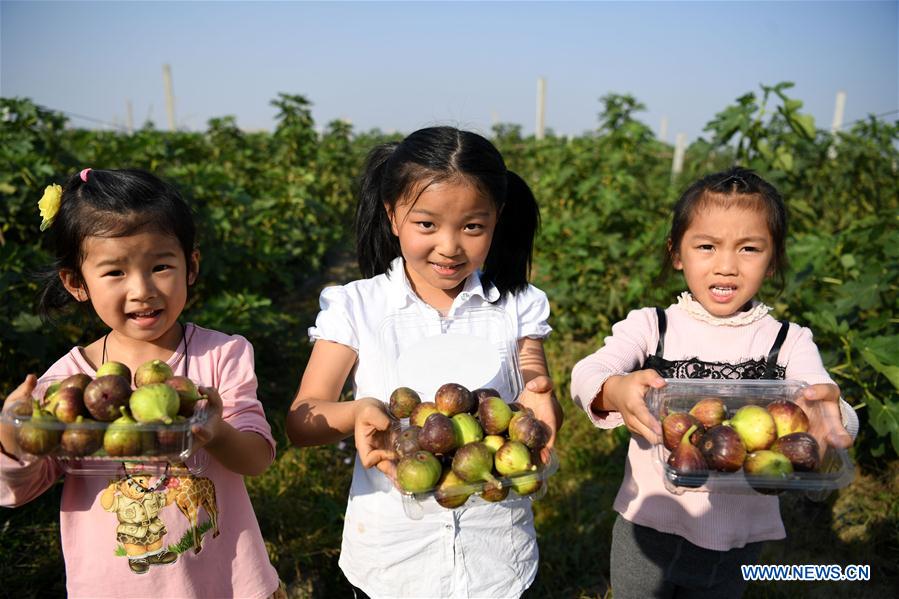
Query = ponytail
x=376 y=245
x=508 y=263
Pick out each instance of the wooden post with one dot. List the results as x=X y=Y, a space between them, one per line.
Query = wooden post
x=680 y=145
x=839 y=107
x=663 y=129
x=129 y=116
x=169 y=95
x=541 y=97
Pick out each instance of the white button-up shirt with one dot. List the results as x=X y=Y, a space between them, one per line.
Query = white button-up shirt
x=484 y=551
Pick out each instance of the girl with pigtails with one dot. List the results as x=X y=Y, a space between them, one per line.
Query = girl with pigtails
x=442 y=227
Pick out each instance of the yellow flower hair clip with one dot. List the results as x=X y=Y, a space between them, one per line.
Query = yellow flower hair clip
x=49 y=204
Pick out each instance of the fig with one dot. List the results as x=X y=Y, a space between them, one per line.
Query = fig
x=755 y=426
x=78 y=380
x=418 y=472
x=513 y=458
x=451 y=491
x=81 y=437
x=675 y=424
x=452 y=399
x=494 y=442
x=528 y=430
x=105 y=396
x=123 y=437
x=474 y=463
x=171 y=439
x=710 y=411
x=154 y=402
x=466 y=429
x=494 y=492
x=788 y=417
x=113 y=367
x=421 y=412
x=483 y=393
x=68 y=403
x=722 y=449
x=764 y=468
x=402 y=401
x=188 y=394
x=494 y=415
x=151 y=372
x=687 y=460
x=438 y=434
x=801 y=449
x=41 y=434
x=525 y=484
x=407 y=441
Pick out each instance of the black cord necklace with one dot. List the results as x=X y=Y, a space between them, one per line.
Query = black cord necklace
x=184 y=341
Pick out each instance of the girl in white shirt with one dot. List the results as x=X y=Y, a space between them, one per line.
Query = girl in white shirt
x=441 y=227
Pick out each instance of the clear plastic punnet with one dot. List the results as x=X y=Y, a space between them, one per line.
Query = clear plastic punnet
x=745 y=436
x=476 y=350
x=83 y=444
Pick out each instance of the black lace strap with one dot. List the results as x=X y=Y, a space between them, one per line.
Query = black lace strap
x=771 y=362
x=663 y=326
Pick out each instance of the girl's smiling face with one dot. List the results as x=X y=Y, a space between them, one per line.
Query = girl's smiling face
x=444 y=235
x=726 y=254
x=137 y=284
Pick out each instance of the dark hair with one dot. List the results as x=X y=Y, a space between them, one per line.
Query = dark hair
x=435 y=154
x=735 y=185
x=110 y=203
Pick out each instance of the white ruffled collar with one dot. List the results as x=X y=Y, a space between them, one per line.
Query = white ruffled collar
x=695 y=309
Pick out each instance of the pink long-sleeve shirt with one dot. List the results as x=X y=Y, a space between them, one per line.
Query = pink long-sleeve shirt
x=711 y=520
x=232 y=564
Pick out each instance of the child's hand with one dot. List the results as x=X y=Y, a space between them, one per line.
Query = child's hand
x=538 y=397
x=373 y=434
x=205 y=433
x=18 y=400
x=825 y=421
x=625 y=394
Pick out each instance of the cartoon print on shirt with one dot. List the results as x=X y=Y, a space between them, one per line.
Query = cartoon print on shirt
x=140 y=529
x=137 y=503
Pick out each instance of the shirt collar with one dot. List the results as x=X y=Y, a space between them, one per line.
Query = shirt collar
x=402 y=295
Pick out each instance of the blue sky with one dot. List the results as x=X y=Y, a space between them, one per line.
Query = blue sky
x=404 y=65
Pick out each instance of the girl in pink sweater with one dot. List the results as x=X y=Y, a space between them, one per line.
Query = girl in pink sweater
x=728 y=235
x=124 y=244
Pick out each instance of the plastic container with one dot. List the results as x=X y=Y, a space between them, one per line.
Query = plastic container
x=476 y=349
x=679 y=395
x=162 y=443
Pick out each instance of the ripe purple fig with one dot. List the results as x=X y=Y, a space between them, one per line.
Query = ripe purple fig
x=407 y=441
x=172 y=439
x=451 y=491
x=710 y=411
x=494 y=492
x=801 y=449
x=437 y=435
x=81 y=438
x=421 y=412
x=188 y=394
x=788 y=417
x=755 y=426
x=402 y=401
x=474 y=463
x=675 y=425
x=41 y=434
x=686 y=460
x=105 y=396
x=151 y=372
x=452 y=399
x=78 y=380
x=68 y=404
x=722 y=449
x=483 y=393
x=494 y=415
x=528 y=430
x=418 y=472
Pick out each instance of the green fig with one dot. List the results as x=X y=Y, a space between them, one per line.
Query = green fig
x=466 y=429
x=513 y=457
x=123 y=437
x=151 y=372
x=495 y=415
x=474 y=463
x=451 y=491
x=525 y=484
x=188 y=394
x=421 y=412
x=154 y=402
x=494 y=442
x=116 y=368
x=418 y=472
x=402 y=401
x=41 y=434
x=788 y=417
x=755 y=426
